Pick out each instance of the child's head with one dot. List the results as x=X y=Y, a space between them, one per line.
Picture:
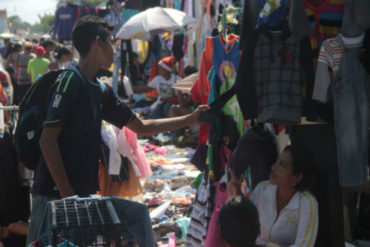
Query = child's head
x=92 y=35
x=166 y=66
x=239 y=223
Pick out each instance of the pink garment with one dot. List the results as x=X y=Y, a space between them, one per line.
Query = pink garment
x=213 y=234
x=138 y=154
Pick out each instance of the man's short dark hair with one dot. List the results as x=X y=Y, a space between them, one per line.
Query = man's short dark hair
x=239 y=222
x=85 y=31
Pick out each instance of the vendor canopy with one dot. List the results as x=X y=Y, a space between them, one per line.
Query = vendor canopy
x=153 y=21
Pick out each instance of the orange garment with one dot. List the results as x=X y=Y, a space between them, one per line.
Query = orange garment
x=3 y=96
x=126 y=189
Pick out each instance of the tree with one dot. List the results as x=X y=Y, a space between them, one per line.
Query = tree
x=16 y=24
x=92 y=2
x=44 y=24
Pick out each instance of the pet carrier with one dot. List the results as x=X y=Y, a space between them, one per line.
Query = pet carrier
x=84 y=222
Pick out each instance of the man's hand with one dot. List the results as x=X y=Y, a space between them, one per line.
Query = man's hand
x=195 y=116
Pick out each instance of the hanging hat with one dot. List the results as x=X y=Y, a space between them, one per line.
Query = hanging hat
x=40 y=49
x=167 y=63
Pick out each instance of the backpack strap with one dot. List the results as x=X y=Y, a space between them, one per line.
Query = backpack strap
x=77 y=71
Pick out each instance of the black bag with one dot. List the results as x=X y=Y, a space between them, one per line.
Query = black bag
x=32 y=112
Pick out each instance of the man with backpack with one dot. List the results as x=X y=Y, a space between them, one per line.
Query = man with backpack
x=70 y=138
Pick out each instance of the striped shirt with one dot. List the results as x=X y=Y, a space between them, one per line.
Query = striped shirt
x=331 y=54
x=297 y=223
x=325 y=19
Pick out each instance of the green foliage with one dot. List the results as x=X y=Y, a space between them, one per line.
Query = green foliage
x=44 y=24
x=92 y=2
x=16 y=24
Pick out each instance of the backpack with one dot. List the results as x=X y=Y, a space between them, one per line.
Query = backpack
x=32 y=113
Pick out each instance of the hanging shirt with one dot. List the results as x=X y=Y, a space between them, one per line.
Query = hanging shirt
x=272 y=12
x=65 y=18
x=225 y=62
x=297 y=223
x=325 y=20
x=331 y=57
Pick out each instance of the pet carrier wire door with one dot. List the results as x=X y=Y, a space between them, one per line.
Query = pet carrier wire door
x=85 y=222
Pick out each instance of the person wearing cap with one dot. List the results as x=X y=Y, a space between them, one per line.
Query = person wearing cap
x=163 y=84
x=39 y=65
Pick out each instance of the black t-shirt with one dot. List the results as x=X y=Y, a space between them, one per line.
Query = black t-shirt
x=79 y=106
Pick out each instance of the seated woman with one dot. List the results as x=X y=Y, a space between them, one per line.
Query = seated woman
x=288 y=213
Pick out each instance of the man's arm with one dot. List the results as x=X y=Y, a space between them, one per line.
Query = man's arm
x=51 y=152
x=154 y=126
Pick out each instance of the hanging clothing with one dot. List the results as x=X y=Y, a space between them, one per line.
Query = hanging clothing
x=325 y=19
x=351 y=105
x=65 y=18
x=331 y=54
x=213 y=233
x=263 y=48
x=200 y=215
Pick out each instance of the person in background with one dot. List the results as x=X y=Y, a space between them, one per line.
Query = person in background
x=114 y=17
x=4 y=50
x=64 y=58
x=50 y=50
x=288 y=211
x=23 y=78
x=239 y=223
x=39 y=65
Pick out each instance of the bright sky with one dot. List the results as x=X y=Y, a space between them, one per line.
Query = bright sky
x=28 y=10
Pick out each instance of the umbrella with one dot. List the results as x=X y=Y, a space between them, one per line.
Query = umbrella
x=153 y=21
x=185 y=84
x=6 y=35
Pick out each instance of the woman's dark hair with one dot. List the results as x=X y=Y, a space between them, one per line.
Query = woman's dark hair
x=239 y=222
x=85 y=31
x=63 y=51
x=303 y=163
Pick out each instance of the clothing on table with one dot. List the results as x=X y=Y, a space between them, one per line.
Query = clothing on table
x=65 y=18
x=78 y=107
x=37 y=67
x=351 y=116
x=325 y=19
x=331 y=54
x=295 y=225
